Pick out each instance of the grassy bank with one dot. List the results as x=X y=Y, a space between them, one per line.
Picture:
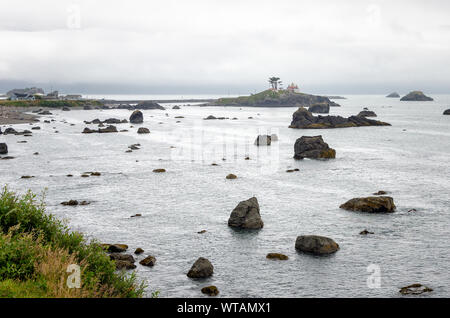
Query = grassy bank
x=49 y=103
x=36 y=250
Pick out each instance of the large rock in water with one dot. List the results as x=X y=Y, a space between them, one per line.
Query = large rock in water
x=263 y=140
x=3 y=148
x=321 y=108
x=246 y=215
x=313 y=148
x=304 y=119
x=314 y=244
x=202 y=268
x=416 y=96
x=393 y=95
x=447 y=112
x=381 y=204
x=148 y=105
x=137 y=117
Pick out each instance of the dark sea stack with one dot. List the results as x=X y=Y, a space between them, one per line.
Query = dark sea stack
x=304 y=119
x=263 y=140
x=380 y=204
x=393 y=95
x=246 y=215
x=143 y=130
x=149 y=261
x=367 y=113
x=321 y=108
x=202 y=268
x=416 y=96
x=313 y=147
x=317 y=245
x=137 y=117
x=148 y=105
x=3 y=148
x=447 y=112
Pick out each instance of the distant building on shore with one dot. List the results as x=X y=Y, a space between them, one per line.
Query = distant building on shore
x=293 y=88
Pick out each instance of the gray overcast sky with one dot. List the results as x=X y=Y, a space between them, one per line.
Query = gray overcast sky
x=225 y=46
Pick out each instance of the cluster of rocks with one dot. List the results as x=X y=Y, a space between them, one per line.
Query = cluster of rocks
x=312 y=147
x=108 y=129
x=12 y=131
x=106 y=121
x=126 y=261
x=304 y=119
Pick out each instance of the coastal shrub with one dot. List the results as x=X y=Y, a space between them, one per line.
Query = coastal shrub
x=36 y=246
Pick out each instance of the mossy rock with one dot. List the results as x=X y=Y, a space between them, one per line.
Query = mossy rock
x=278 y=256
x=210 y=290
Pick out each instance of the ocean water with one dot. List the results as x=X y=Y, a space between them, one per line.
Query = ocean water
x=409 y=159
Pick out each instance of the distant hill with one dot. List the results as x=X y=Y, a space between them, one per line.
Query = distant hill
x=271 y=98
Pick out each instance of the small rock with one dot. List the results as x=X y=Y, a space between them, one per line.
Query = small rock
x=136 y=215
x=202 y=268
x=3 y=148
x=314 y=244
x=96 y=174
x=366 y=232
x=121 y=257
x=263 y=140
x=115 y=248
x=381 y=192
x=370 y=204
x=70 y=202
x=201 y=232
x=148 y=261
x=210 y=290
x=231 y=176
x=446 y=112
x=278 y=256
x=27 y=177
x=138 y=251
x=124 y=265
x=143 y=130
x=159 y=170
x=415 y=289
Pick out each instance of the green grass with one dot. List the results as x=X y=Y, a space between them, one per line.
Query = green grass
x=36 y=248
x=49 y=103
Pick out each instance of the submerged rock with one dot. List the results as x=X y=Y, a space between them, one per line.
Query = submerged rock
x=382 y=204
x=416 y=96
x=314 y=244
x=415 y=289
x=278 y=256
x=246 y=215
x=263 y=140
x=321 y=108
x=313 y=147
x=202 y=268
x=304 y=119
x=137 y=117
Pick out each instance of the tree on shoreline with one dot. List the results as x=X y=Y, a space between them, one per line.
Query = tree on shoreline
x=274 y=82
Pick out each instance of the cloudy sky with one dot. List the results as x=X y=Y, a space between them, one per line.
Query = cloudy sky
x=227 y=46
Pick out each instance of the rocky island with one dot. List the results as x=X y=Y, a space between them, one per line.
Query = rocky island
x=304 y=119
x=393 y=95
x=274 y=98
x=416 y=96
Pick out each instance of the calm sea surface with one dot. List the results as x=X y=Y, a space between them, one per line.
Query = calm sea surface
x=410 y=160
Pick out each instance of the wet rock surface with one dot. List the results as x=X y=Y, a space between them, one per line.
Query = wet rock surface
x=379 y=204
x=314 y=244
x=246 y=215
x=313 y=147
